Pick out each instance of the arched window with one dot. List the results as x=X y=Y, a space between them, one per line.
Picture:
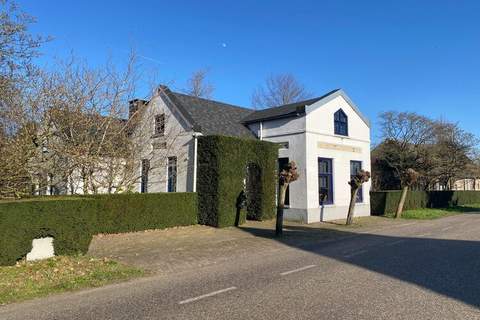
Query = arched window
x=341 y=123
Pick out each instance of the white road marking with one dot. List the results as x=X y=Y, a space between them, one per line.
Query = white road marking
x=406 y=224
x=297 y=270
x=355 y=254
x=207 y=295
x=424 y=235
x=447 y=228
x=395 y=242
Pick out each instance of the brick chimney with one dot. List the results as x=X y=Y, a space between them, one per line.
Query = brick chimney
x=135 y=105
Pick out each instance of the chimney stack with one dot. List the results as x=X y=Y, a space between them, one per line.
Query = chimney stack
x=135 y=105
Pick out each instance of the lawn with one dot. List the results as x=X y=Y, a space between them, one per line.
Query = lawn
x=426 y=213
x=28 y=280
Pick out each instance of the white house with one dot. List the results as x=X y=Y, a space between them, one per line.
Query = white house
x=327 y=137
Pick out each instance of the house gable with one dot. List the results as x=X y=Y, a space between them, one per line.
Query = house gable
x=333 y=96
x=320 y=117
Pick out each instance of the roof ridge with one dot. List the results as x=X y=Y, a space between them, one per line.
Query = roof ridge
x=313 y=100
x=211 y=100
x=210 y=116
x=286 y=110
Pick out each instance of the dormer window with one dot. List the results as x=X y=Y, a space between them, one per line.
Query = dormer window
x=159 y=125
x=341 y=123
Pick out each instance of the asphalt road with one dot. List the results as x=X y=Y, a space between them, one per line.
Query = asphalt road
x=428 y=270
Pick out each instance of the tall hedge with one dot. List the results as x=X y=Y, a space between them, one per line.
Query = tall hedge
x=72 y=221
x=382 y=202
x=222 y=170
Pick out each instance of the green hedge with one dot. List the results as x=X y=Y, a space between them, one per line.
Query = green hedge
x=222 y=168
x=382 y=202
x=72 y=221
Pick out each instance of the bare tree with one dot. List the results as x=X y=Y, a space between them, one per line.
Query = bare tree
x=355 y=184
x=68 y=130
x=279 y=90
x=18 y=46
x=439 y=151
x=199 y=86
x=406 y=136
x=454 y=149
x=286 y=176
x=80 y=112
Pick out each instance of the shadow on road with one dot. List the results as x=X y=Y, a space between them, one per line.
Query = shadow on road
x=447 y=267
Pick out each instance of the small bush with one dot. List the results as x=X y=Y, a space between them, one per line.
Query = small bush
x=222 y=169
x=384 y=202
x=72 y=221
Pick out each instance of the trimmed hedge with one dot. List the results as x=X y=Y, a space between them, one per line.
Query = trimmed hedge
x=222 y=169
x=72 y=221
x=383 y=202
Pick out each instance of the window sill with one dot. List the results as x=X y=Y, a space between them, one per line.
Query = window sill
x=326 y=205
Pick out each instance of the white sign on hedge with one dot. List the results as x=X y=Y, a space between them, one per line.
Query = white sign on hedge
x=42 y=248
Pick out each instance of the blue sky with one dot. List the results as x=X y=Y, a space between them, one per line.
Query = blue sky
x=421 y=56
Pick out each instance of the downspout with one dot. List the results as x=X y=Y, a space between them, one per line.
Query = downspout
x=261 y=130
x=195 y=157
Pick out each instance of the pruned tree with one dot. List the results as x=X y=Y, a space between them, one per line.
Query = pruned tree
x=278 y=90
x=355 y=184
x=199 y=86
x=286 y=176
x=408 y=178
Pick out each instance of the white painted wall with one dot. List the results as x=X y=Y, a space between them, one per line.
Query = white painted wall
x=342 y=149
x=304 y=135
x=179 y=140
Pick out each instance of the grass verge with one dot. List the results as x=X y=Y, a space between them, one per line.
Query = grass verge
x=28 y=280
x=427 y=213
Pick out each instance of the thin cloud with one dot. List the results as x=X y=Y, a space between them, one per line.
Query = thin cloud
x=150 y=59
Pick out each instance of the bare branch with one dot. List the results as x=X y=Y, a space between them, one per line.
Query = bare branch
x=279 y=90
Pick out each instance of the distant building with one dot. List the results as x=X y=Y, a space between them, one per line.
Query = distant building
x=467 y=184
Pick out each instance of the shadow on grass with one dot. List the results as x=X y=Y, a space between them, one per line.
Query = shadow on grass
x=447 y=267
x=464 y=209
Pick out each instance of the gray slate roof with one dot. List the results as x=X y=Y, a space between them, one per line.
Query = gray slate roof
x=211 y=117
x=217 y=118
x=288 y=110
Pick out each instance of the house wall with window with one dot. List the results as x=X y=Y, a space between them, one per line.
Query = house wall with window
x=327 y=153
x=339 y=149
x=165 y=149
x=292 y=147
x=290 y=134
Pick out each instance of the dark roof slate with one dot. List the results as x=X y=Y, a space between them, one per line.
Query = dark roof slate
x=211 y=117
x=288 y=110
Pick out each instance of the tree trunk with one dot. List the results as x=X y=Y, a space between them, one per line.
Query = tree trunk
x=281 y=205
x=351 y=208
x=398 y=214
